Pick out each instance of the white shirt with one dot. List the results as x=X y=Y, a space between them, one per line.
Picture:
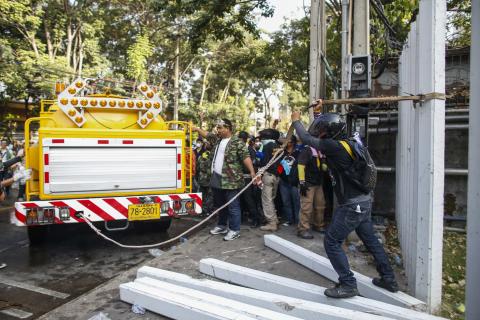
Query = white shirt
x=219 y=155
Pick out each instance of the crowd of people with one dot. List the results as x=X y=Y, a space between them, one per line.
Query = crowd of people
x=295 y=189
x=12 y=170
x=290 y=192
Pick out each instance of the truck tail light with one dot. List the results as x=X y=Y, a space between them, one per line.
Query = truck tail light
x=40 y=215
x=165 y=207
x=177 y=206
x=31 y=216
x=49 y=215
x=190 y=206
x=64 y=213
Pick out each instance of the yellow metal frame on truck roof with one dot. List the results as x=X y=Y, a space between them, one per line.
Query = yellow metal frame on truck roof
x=101 y=123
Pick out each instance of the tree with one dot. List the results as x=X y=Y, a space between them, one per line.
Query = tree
x=459 y=23
x=138 y=54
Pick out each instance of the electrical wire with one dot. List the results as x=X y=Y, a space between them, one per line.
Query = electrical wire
x=381 y=14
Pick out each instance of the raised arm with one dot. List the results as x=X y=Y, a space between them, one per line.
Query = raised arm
x=304 y=135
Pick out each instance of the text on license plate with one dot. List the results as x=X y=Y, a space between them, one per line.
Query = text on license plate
x=145 y=211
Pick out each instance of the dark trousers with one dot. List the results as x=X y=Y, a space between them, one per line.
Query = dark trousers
x=251 y=200
x=290 y=200
x=231 y=215
x=345 y=220
x=207 y=199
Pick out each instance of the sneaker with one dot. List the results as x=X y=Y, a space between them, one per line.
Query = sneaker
x=269 y=227
x=219 y=230
x=341 y=291
x=286 y=224
x=231 y=235
x=391 y=286
x=305 y=234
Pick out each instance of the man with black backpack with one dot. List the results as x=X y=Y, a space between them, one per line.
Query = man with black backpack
x=353 y=178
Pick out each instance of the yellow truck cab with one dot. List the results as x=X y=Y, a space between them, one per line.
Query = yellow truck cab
x=109 y=159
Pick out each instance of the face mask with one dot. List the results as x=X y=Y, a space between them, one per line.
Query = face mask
x=199 y=145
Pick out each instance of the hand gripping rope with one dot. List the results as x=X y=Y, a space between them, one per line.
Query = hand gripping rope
x=278 y=154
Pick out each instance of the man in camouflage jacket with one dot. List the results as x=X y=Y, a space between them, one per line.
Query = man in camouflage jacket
x=229 y=156
x=204 y=173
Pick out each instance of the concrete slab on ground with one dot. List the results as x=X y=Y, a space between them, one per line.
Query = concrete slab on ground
x=248 y=251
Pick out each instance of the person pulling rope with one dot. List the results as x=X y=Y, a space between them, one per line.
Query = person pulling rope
x=277 y=155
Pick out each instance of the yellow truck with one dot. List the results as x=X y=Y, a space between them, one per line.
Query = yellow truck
x=109 y=159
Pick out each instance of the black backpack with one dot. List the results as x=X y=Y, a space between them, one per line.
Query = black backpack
x=363 y=172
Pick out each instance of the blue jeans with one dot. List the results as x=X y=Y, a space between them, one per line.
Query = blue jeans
x=290 y=200
x=230 y=216
x=345 y=220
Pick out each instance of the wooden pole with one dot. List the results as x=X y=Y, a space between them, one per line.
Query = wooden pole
x=426 y=97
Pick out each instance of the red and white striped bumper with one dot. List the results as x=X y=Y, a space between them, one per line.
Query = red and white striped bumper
x=100 y=209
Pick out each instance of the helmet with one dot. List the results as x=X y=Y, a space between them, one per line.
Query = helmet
x=332 y=124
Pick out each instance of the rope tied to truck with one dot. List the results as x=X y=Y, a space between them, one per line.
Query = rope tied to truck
x=277 y=155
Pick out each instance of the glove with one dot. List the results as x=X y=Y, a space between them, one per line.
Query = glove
x=303 y=189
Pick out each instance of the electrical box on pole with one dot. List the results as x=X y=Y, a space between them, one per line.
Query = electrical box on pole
x=359 y=75
x=359 y=70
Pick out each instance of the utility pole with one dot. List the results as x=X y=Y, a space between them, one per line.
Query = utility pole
x=176 y=87
x=345 y=46
x=361 y=27
x=317 y=87
x=473 y=218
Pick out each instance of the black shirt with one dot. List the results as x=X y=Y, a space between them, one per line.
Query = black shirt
x=338 y=161
x=313 y=172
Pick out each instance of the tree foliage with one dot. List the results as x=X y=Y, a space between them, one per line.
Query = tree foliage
x=226 y=68
x=138 y=54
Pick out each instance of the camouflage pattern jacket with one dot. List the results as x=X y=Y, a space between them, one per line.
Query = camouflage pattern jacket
x=232 y=170
x=204 y=168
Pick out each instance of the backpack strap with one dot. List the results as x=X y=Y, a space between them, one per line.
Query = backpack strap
x=347 y=147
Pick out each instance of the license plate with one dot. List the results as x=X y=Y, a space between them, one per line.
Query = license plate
x=147 y=211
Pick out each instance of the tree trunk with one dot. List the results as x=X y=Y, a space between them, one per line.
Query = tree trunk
x=267 y=108
x=26 y=106
x=80 y=54
x=48 y=37
x=224 y=95
x=74 y=55
x=204 y=87
x=68 y=53
x=33 y=42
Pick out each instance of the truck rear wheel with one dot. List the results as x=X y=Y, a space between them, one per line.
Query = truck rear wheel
x=153 y=226
x=37 y=234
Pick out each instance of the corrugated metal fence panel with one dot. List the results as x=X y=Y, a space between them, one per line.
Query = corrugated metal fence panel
x=431 y=152
x=87 y=169
x=420 y=153
x=412 y=159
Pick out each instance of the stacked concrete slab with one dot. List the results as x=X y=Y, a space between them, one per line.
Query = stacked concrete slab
x=258 y=295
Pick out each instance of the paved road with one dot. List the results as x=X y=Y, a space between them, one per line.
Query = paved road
x=74 y=260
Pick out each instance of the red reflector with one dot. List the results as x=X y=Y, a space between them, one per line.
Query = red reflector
x=127 y=141
x=102 y=141
x=58 y=140
x=169 y=141
x=179 y=175
x=179 y=158
x=47 y=177
x=45 y=159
